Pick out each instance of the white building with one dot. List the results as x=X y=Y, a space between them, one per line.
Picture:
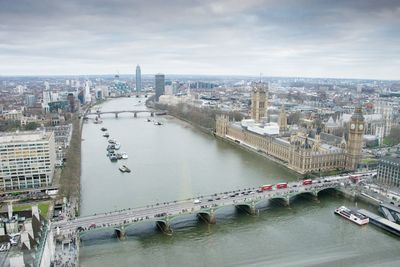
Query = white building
x=27 y=160
x=88 y=97
x=386 y=109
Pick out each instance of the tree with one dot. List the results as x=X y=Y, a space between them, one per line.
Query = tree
x=294 y=118
x=31 y=126
x=394 y=137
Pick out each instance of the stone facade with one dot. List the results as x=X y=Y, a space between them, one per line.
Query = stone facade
x=259 y=102
x=298 y=152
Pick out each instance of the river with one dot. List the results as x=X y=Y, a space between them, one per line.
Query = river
x=176 y=161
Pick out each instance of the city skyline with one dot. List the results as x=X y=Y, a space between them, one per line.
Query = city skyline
x=356 y=39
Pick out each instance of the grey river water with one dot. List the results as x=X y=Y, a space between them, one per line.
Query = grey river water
x=175 y=161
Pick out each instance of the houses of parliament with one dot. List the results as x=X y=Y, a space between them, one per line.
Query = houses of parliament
x=296 y=149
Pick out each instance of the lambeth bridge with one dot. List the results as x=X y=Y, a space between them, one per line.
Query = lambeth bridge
x=162 y=214
x=98 y=113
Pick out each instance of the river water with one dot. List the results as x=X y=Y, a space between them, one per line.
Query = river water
x=175 y=161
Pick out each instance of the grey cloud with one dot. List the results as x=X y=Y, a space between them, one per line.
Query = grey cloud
x=290 y=37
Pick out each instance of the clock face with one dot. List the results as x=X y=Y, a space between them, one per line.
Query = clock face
x=361 y=127
x=352 y=126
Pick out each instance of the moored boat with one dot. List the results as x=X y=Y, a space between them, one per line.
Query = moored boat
x=113 y=157
x=351 y=215
x=124 y=155
x=106 y=135
x=123 y=168
x=117 y=146
x=103 y=129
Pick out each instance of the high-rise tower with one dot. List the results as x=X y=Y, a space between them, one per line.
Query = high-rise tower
x=160 y=85
x=282 y=121
x=138 y=79
x=355 y=140
x=258 y=102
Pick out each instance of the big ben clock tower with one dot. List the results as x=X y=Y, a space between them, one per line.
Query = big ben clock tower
x=355 y=140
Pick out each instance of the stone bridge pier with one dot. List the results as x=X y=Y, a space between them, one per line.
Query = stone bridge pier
x=116 y=115
x=207 y=216
x=151 y=114
x=164 y=226
x=120 y=232
x=249 y=208
x=135 y=114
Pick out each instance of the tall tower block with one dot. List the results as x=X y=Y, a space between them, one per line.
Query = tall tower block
x=258 y=102
x=282 y=120
x=138 y=79
x=355 y=140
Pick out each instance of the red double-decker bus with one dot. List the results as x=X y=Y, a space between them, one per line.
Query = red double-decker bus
x=266 y=187
x=281 y=185
x=307 y=182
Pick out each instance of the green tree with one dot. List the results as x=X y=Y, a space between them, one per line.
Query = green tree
x=31 y=126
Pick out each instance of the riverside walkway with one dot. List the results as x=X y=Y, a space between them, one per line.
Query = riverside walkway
x=204 y=207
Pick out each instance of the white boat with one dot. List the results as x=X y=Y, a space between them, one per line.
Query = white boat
x=112 y=141
x=117 y=146
x=351 y=215
x=97 y=120
x=123 y=168
x=124 y=155
x=157 y=123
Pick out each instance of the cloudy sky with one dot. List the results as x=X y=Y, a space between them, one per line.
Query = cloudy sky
x=312 y=38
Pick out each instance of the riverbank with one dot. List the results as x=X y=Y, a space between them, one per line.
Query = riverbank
x=71 y=172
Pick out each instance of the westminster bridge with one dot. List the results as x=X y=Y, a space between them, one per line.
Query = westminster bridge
x=247 y=200
x=98 y=113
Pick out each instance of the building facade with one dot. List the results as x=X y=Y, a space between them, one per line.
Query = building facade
x=389 y=171
x=138 y=79
x=258 y=102
x=27 y=160
x=355 y=139
x=298 y=151
x=159 y=85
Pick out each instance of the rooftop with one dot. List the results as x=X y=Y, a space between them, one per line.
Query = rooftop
x=28 y=136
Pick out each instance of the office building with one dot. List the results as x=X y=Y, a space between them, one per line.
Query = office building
x=138 y=79
x=389 y=171
x=27 y=160
x=159 y=85
x=30 y=100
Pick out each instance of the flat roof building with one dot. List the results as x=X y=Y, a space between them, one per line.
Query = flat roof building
x=389 y=171
x=27 y=160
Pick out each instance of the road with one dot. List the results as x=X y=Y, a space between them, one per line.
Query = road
x=160 y=211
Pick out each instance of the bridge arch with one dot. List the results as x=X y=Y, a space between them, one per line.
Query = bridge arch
x=305 y=194
x=247 y=208
x=164 y=226
x=207 y=216
x=282 y=201
x=325 y=190
x=120 y=233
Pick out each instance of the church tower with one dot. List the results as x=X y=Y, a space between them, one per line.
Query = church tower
x=355 y=139
x=282 y=121
x=221 y=125
x=258 y=102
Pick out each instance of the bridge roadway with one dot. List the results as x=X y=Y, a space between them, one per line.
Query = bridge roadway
x=162 y=213
x=117 y=112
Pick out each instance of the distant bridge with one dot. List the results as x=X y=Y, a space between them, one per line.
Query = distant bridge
x=134 y=112
x=247 y=200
